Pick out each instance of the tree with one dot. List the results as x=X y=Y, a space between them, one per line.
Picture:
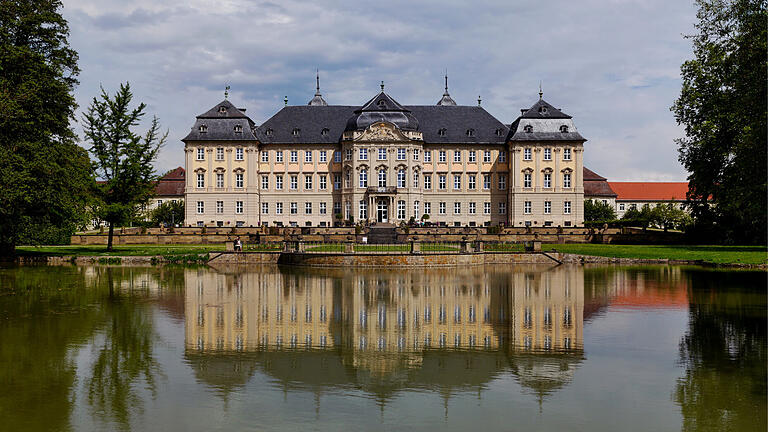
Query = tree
x=722 y=105
x=169 y=212
x=598 y=211
x=38 y=150
x=123 y=158
x=667 y=215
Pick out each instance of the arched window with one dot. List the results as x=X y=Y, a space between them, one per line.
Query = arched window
x=269 y=132
x=296 y=131
x=442 y=132
x=564 y=128
x=203 y=129
x=381 y=104
x=223 y=109
x=528 y=128
x=324 y=132
x=470 y=132
x=238 y=129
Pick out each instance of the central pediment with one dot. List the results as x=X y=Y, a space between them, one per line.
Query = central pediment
x=382 y=131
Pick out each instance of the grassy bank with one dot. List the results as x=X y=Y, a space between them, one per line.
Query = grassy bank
x=711 y=254
x=130 y=250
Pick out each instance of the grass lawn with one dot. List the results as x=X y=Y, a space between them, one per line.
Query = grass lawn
x=121 y=250
x=711 y=254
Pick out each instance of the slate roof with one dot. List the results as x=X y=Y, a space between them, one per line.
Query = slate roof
x=650 y=191
x=457 y=120
x=382 y=108
x=171 y=184
x=542 y=109
x=596 y=185
x=310 y=120
x=221 y=124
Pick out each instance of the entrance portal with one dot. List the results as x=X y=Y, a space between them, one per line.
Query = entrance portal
x=382 y=211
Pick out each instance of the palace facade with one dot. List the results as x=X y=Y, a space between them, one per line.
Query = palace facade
x=317 y=164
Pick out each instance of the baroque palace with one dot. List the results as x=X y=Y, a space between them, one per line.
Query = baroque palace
x=320 y=164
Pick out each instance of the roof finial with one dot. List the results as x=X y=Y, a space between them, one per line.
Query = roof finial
x=226 y=91
x=446 y=81
x=382 y=85
x=541 y=93
x=479 y=100
x=317 y=77
x=285 y=100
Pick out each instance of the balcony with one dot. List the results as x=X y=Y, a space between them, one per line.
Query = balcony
x=391 y=190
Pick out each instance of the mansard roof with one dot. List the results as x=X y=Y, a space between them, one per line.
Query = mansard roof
x=308 y=121
x=457 y=121
x=223 y=122
x=382 y=108
x=543 y=110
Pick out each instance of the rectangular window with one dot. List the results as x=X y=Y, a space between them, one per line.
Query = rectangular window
x=486 y=208
x=337 y=156
x=238 y=180
x=308 y=181
x=238 y=207
x=219 y=153
x=200 y=207
x=427 y=182
x=264 y=208
x=567 y=154
x=323 y=209
x=308 y=156
x=348 y=154
x=323 y=156
x=502 y=208
x=527 y=154
x=457 y=181
x=401 y=178
x=502 y=182
x=428 y=156
x=382 y=154
x=294 y=156
x=294 y=208
x=337 y=181
x=159 y=203
x=567 y=180
x=547 y=154
x=416 y=210
x=487 y=156
x=547 y=180
x=279 y=156
x=567 y=207
x=502 y=156
x=201 y=180
x=415 y=180
x=219 y=207
x=264 y=156
x=472 y=181
x=239 y=153
x=200 y=153
x=527 y=180
x=363 y=153
x=294 y=182
x=441 y=181
x=279 y=208
x=416 y=154
x=427 y=208
x=219 y=180
x=363 y=210
x=457 y=155
x=441 y=156
x=401 y=210
x=323 y=182
x=441 y=208
x=547 y=207
x=621 y=206
x=486 y=181
x=336 y=208
x=457 y=208
x=401 y=154
x=264 y=182
x=279 y=182
x=308 y=208
x=472 y=209
x=363 y=178
x=472 y=156
x=527 y=207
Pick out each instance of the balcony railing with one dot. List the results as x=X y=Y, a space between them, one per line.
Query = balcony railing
x=382 y=189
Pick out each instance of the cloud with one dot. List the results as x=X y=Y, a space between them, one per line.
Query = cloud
x=613 y=65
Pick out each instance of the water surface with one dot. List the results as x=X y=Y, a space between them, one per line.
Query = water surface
x=266 y=348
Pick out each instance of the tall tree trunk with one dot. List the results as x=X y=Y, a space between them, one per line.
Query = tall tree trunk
x=109 y=237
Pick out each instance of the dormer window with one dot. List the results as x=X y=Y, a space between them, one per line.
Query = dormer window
x=203 y=129
x=528 y=128
x=238 y=129
x=381 y=104
x=564 y=128
x=470 y=132
x=543 y=109
x=296 y=131
x=324 y=132
x=222 y=110
x=442 y=132
x=269 y=132
x=498 y=132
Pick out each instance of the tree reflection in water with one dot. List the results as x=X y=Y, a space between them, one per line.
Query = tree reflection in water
x=724 y=352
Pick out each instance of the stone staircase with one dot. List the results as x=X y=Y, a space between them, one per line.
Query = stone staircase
x=382 y=233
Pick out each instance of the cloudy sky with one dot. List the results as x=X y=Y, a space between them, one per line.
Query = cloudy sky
x=611 y=64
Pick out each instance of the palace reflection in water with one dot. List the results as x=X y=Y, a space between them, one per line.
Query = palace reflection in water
x=383 y=324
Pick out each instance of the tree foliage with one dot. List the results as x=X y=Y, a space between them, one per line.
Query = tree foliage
x=598 y=211
x=169 y=212
x=722 y=105
x=38 y=73
x=123 y=158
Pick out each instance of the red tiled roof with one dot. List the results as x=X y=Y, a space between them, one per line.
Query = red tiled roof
x=591 y=175
x=174 y=174
x=650 y=191
x=171 y=184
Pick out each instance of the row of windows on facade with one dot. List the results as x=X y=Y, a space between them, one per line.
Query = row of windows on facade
x=293 y=208
x=381 y=154
x=382 y=180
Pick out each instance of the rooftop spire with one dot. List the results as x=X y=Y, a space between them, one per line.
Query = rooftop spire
x=446 y=99
x=541 y=93
x=446 y=81
x=317 y=77
x=318 y=99
x=285 y=100
x=382 y=85
x=479 y=100
x=226 y=92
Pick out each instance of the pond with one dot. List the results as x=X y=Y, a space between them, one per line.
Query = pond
x=632 y=348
